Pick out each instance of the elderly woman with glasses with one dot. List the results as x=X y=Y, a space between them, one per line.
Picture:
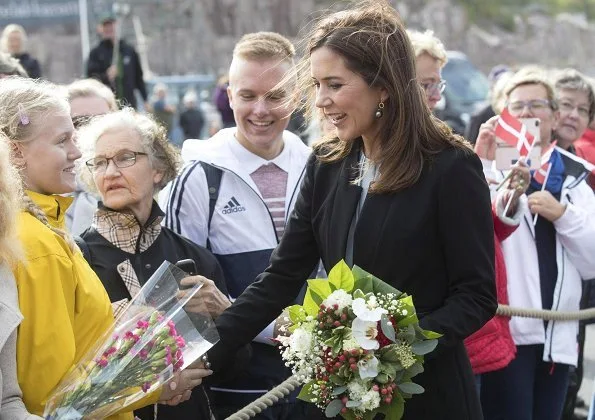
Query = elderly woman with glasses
x=430 y=58
x=546 y=259
x=129 y=160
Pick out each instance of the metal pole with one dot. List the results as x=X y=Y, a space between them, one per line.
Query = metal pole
x=84 y=28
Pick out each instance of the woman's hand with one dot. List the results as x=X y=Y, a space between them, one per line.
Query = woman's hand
x=485 y=145
x=520 y=178
x=179 y=388
x=546 y=205
x=208 y=299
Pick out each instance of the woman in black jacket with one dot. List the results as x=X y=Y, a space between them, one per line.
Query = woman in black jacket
x=393 y=191
x=129 y=160
x=14 y=42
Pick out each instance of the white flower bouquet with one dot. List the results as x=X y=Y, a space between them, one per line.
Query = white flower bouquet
x=356 y=344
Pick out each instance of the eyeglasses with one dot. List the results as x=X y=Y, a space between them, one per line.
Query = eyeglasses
x=434 y=86
x=81 y=120
x=534 y=105
x=123 y=159
x=567 y=106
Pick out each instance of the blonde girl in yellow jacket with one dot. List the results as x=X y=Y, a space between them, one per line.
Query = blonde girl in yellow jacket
x=65 y=307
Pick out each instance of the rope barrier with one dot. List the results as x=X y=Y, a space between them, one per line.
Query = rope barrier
x=291 y=383
x=547 y=315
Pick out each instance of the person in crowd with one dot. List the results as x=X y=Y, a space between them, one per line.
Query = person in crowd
x=394 y=192
x=125 y=76
x=65 y=307
x=10 y=66
x=576 y=102
x=430 y=58
x=238 y=195
x=128 y=160
x=87 y=98
x=221 y=101
x=545 y=262
x=162 y=110
x=497 y=77
x=14 y=42
x=212 y=116
x=11 y=403
x=192 y=119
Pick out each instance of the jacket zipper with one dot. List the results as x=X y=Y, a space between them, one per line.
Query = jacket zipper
x=551 y=340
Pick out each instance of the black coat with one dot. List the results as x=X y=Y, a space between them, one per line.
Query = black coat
x=100 y=58
x=433 y=240
x=192 y=121
x=30 y=64
x=477 y=119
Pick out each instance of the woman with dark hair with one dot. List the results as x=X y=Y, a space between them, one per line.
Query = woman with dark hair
x=393 y=191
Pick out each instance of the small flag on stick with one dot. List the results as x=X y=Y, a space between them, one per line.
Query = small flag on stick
x=514 y=132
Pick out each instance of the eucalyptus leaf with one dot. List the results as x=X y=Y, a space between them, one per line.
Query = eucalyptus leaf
x=411 y=388
x=424 y=347
x=338 y=390
x=334 y=408
x=337 y=380
x=395 y=410
x=353 y=404
x=387 y=330
x=416 y=369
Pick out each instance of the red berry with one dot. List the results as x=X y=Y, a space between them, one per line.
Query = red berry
x=383 y=391
x=344 y=410
x=344 y=400
x=337 y=324
x=335 y=306
x=388 y=400
x=375 y=388
x=342 y=358
x=352 y=360
x=338 y=365
x=353 y=366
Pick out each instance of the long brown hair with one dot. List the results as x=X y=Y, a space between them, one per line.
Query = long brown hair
x=374 y=44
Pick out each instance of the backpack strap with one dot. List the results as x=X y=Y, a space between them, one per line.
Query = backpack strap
x=214 y=176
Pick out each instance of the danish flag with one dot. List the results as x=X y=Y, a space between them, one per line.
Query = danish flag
x=514 y=132
x=542 y=173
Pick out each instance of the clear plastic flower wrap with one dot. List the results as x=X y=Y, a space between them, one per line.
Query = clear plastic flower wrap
x=154 y=337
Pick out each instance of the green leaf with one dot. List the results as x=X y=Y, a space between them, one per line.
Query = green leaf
x=358 y=294
x=334 y=408
x=306 y=393
x=411 y=388
x=430 y=334
x=395 y=410
x=387 y=330
x=424 y=347
x=341 y=277
x=338 y=390
x=381 y=378
x=297 y=314
x=310 y=305
x=353 y=404
x=321 y=287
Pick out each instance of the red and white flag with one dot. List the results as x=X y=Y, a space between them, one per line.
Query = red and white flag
x=514 y=132
x=541 y=174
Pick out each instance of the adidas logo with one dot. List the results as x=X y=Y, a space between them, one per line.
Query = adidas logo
x=233 y=206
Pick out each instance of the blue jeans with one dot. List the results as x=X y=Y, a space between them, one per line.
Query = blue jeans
x=527 y=389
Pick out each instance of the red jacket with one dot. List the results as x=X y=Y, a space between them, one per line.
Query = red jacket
x=491 y=348
x=585 y=148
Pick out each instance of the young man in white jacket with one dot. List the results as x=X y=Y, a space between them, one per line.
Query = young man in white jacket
x=545 y=265
x=238 y=193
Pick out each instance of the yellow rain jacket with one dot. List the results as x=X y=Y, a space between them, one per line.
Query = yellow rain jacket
x=65 y=307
